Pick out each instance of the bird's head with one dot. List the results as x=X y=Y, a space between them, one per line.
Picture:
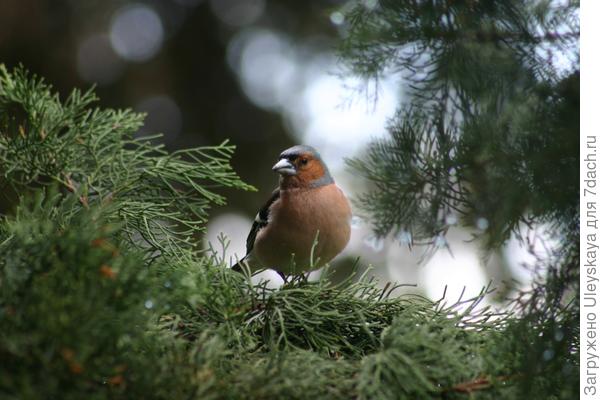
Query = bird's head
x=302 y=167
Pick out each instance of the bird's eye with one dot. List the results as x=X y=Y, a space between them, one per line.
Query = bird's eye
x=304 y=161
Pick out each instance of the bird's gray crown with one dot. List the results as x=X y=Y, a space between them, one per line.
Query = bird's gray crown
x=295 y=151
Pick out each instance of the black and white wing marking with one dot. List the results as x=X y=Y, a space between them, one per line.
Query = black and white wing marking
x=261 y=220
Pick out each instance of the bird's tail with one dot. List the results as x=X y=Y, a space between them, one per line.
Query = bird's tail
x=238 y=267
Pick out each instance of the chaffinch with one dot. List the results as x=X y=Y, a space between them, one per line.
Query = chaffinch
x=307 y=208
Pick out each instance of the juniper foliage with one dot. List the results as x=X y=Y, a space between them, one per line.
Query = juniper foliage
x=161 y=198
x=104 y=295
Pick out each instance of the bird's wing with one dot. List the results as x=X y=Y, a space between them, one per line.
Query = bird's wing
x=261 y=220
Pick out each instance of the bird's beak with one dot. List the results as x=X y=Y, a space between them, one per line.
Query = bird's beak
x=284 y=167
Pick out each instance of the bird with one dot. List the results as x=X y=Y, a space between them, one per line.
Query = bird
x=306 y=221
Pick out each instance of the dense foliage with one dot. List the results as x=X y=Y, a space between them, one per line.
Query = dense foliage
x=487 y=139
x=103 y=293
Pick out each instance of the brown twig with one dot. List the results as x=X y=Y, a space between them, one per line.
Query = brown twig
x=481 y=383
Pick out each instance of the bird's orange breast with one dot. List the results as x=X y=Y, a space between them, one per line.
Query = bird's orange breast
x=287 y=241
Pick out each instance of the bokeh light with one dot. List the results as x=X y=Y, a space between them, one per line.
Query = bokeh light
x=337 y=18
x=266 y=67
x=333 y=114
x=136 y=32
x=237 y=13
x=341 y=121
x=453 y=273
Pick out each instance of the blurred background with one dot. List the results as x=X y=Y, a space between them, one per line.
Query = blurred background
x=263 y=74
